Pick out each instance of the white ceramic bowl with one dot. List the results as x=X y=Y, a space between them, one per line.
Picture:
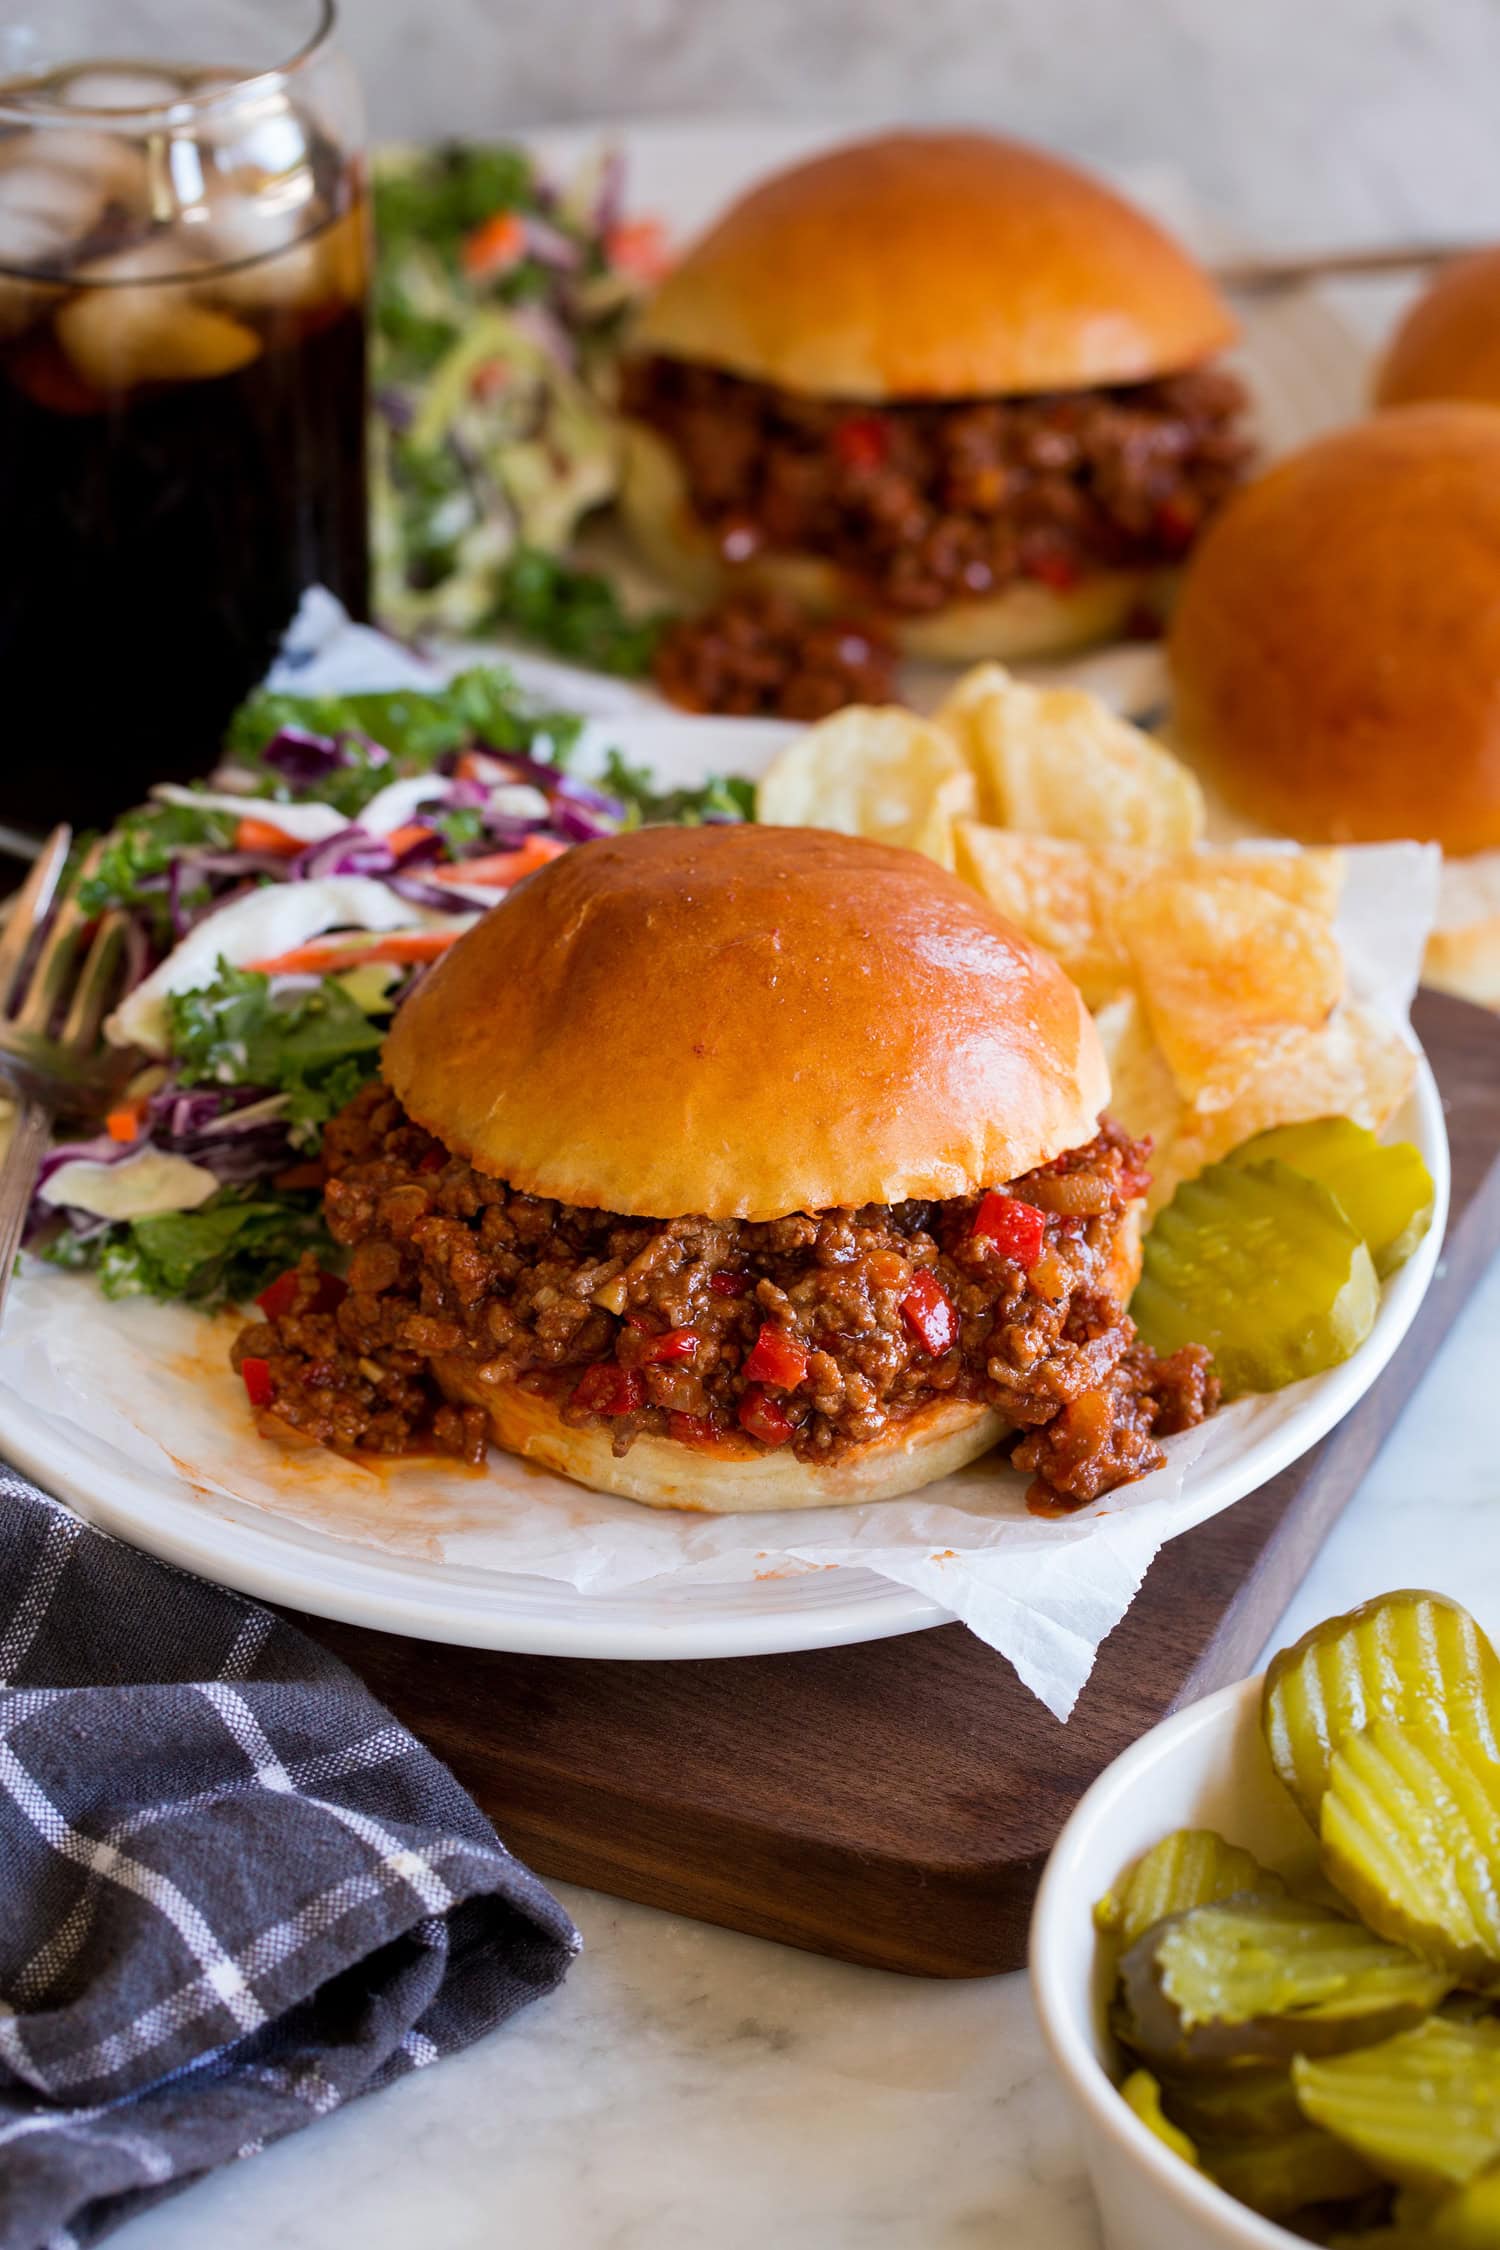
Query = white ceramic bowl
x=1205 y=1768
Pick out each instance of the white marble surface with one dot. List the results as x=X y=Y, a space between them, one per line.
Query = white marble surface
x=688 y=2089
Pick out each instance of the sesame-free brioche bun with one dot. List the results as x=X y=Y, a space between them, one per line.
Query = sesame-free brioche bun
x=1448 y=346
x=1336 y=648
x=731 y=1476
x=1026 y=619
x=936 y=265
x=743 y=1022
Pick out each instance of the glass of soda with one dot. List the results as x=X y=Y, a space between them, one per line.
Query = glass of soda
x=184 y=259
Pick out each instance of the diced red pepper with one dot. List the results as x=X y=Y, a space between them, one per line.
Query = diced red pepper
x=1176 y=524
x=776 y=1358
x=928 y=1310
x=692 y=1429
x=728 y=1284
x=256 y=1377
x=861 y=441
x=279 y=1296
x=764 y=1417
x=1060 y=572
x=433 y=1161
x=676 y=1344
x=1018 y=1230
x=609 y=1389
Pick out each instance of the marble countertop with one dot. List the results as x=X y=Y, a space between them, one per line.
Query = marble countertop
x=688 y=2087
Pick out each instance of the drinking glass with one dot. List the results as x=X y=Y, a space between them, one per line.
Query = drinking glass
x=183 y=271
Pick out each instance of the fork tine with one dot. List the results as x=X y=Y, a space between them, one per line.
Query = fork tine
x=29 y=909
x=96 y=985
x=50 y=979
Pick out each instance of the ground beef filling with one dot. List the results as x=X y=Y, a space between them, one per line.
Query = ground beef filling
x=924 y=503
x=817 y=1332
x=757 y=655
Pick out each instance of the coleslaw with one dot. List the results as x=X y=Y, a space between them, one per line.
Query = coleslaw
x=278 y=914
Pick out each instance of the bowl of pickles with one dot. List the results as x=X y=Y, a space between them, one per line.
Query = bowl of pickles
x=1266 y=1951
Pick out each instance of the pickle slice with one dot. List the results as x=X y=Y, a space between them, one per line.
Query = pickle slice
x=1279 y=2176
x=1191 y=1867
x=1143 y=2095
x=1422 y=2109
x=1266 y=1979
x=1254 y=2102
x=1407 y=1656
x=1260 y=1265
x=1411 y=1837
x=1383 y=1188
x=1469 y=2218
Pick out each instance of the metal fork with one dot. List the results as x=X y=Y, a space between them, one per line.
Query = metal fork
x=56 y=984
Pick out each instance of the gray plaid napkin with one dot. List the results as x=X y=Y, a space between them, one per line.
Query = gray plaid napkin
x=235 y=1892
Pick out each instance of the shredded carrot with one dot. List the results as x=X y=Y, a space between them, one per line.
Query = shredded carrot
x=265 y=836
x=474 y=765
x=402 y=839
x=498 y=870
x=494 y=246
x=125 y=1122
x=327 y=956
x=639 y=246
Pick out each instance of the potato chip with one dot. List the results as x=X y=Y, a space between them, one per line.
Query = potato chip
x=1058 y=762
x=1066 y=897
x=1353 y=1066
x=1224 y=962
x=880 y=773
x=1310 y=878
x=1143 y=1094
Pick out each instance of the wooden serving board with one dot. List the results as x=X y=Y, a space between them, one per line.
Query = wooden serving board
x=893 y=1804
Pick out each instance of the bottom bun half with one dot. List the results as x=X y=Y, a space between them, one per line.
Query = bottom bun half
x=726 y=1479
x=1026 y=620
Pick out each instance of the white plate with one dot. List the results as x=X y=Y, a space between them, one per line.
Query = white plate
x=1305 y=368
x=281 y=1559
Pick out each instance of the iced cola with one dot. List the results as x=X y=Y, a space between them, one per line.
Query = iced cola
x=183 y=269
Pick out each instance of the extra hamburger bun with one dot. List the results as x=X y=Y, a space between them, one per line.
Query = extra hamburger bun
x=1448 y=346
x=746 y=1022
x=1336 y=650
x=743 y=1022
x=1027 y=619
x=936 y=265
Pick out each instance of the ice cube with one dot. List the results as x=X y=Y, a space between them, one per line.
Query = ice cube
x=277 y=264
x=120 y=89
x=55 y=187
x=133 y=327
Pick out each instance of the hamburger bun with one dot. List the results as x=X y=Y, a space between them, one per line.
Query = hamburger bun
x=1336 y=647
x=729 y=1478
x=1026 y=619
x=936 y=265
x=1448 y=346
x=746 y=1022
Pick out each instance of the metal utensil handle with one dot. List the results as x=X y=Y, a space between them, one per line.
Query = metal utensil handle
x=18 y=1170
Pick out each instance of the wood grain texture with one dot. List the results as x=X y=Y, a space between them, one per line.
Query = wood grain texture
x=894 y=1804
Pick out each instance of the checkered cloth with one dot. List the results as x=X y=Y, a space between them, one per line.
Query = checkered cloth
x=235 y=1892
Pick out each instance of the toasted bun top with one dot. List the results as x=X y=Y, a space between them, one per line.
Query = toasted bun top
x=936 y=265
x=1448 y=346
x=1336 y=650
x=745 y=1022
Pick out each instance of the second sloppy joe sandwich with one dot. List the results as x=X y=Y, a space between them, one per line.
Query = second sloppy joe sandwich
x=940 y=378
x=730 y=1168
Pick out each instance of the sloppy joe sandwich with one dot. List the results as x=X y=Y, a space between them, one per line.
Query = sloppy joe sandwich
x=942 y=377
x=733 y=1168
